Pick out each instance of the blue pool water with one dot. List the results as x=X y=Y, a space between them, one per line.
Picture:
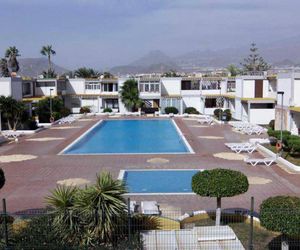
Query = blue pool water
x=159 y=181
x=130 y=137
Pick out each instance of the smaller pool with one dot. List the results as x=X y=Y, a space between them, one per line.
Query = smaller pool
x=167 y=181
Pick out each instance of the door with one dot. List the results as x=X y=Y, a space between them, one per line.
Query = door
x=258 y=89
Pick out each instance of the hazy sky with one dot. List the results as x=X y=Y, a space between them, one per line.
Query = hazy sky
x=104 y=33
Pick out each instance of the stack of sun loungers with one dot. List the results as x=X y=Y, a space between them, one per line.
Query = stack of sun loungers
x=248 y=128
x=242 y=147
x=10 y=134
x=68 y=119
x=205 y=119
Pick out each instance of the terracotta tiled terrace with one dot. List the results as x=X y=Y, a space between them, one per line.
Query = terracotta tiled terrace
x=28 y=182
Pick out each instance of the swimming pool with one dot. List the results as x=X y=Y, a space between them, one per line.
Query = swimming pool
x=131 y=137
x=166 y=181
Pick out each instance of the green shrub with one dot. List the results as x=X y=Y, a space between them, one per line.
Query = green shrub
x=277 y=133
x=43 y=109
x=219 y=183
x=191 y=110
x=85 y=109
x=224 y=115
x=227 y=114
x=292 y=143
x=218 y=113
x=272 y=124
x=107 y=110
x=65 y=112
x=172 y=110
x=281 y=214
x=2 y=178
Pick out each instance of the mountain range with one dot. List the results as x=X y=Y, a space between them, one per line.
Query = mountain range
x=283 y=53
x=35 y=66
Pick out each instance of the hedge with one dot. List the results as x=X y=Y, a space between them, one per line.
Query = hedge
x=172 y=110
x=219 y=183
x=191 y=110
x=2 y=178
x=107 y=110
x=281 y=214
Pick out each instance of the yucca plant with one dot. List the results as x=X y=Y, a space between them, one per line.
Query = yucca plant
x=66 y=222
x=102 y=207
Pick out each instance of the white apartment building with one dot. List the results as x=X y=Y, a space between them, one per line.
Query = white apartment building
x=250 y=98
x=288 y=111
x=255 y=98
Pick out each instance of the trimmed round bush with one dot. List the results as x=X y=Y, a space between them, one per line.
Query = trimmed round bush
x=107 y=110
x=281 y=214
x=84 y=110
x=191 y=110
x=172 y=110
x=219 y=183
x=218 y=113
x=227 y=114
x=65 y=112
x=2 y=178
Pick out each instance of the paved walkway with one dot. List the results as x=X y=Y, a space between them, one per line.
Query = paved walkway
x=28 y=182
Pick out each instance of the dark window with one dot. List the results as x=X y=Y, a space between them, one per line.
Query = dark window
x=26 y=88
x=210 y=102
x=261 y=105
x=186 y=85
x=112 y=103
x=45 y=84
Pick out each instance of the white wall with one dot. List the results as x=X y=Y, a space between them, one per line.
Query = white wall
x=192 y=101
x=284 y=84
x=171 y=86
x=261 y=116
x=296 y=92
x=5 y=83
x=75 y=86
x=248 y=89
x=45 y=90
x=295 y=123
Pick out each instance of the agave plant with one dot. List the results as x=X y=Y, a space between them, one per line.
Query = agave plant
x=66 y=222
x=102 y=207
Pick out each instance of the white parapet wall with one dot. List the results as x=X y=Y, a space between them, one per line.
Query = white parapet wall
x=261 y=116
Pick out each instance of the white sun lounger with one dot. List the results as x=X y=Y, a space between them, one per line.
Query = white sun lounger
x=150 y=208
x=254 y=161
x=246 y=148
x=11 y=134
x=205 y=119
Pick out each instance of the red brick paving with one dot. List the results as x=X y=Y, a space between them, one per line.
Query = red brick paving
x=30 y=181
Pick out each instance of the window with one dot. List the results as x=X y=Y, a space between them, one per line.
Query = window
x=45 y=84
x=152 y=87
x=141 y=87
x=108 y=87
x=210 y=103
x=26 y=88
x=186 y=85
x=146 y=87
x=156 y=87
x=261 y=105
x=111 y=103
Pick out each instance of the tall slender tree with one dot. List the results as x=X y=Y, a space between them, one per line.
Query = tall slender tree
x=254 y=62
x=48 y=51
x=11 y=54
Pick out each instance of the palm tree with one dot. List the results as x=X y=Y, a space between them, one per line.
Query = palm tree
x=130 y=95
x=12 y=53
x=87 y=73
x=4 y=71
x=48 y=51
x=103 y=207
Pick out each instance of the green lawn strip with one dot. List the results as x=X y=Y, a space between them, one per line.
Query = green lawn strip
x=293 y=159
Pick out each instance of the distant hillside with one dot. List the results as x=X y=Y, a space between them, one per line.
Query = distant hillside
x=33 y=67
x=153 y=62
x=283 y=53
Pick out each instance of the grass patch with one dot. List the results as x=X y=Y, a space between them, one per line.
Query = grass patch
x=295 y=159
